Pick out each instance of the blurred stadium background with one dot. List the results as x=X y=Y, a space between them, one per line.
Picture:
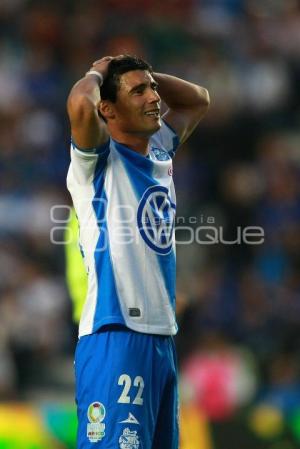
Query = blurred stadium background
x=238 y=304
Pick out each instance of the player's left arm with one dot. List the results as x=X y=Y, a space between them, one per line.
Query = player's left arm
x=187 y=103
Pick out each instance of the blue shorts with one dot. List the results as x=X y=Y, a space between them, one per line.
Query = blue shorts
x=126 y=390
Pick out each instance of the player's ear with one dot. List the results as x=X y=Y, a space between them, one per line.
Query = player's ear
x=106 y=110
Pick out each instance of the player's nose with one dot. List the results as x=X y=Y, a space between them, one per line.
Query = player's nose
x=153 y=96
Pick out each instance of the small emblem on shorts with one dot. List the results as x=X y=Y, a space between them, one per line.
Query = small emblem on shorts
x=129 y=439
x=130 y=420
x=96 y=428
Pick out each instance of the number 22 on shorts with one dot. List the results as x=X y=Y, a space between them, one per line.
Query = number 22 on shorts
x=126 y=382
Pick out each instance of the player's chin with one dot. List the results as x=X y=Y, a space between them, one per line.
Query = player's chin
x=155 y=126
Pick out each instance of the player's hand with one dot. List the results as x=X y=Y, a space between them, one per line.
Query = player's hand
x=101 y=65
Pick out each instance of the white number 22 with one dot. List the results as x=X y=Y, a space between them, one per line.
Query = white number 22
x=138 y=382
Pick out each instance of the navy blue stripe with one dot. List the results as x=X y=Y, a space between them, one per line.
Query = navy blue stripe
x=139 y=169
x=168 y=268
x=108 y=306
x=98 y=150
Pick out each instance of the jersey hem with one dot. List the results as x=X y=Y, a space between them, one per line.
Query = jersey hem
x=142 y=328
x=152 y=329
x=100 y=323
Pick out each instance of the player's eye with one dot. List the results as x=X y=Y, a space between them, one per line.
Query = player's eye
x=139 y=90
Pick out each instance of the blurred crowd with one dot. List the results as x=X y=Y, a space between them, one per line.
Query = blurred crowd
x=238 y=302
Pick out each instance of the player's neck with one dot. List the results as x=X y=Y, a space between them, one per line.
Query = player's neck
x=135 y=142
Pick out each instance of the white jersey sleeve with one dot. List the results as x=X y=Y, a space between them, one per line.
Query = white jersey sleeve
x=85 y=162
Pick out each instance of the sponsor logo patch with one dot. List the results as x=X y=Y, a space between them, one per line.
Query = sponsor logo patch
x=156 y=219
x=96 y=428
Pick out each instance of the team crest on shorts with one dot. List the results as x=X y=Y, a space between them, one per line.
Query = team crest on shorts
x=96 y=428
x=129 y=439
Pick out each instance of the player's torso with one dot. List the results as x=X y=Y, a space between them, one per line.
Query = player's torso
x=127 y=235
x=140 y=215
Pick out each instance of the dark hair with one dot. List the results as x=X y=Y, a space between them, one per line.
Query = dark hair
x=116 y=68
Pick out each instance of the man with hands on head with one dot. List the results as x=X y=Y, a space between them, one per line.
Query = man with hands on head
x=120 y=180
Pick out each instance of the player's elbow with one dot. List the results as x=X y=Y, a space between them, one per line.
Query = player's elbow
x=203 y=102
x=204 y=98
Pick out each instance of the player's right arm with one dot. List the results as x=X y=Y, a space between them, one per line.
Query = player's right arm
x=87 y=128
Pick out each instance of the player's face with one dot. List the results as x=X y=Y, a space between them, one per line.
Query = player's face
x=137 y=109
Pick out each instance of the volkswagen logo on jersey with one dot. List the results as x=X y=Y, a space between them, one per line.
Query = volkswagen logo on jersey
x=156 y=218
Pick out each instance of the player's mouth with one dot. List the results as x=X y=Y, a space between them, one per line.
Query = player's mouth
x=153 y=113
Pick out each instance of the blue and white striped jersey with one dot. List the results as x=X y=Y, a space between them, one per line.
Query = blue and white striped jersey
x=126 y=204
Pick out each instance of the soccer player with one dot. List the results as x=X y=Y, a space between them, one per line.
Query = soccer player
x=120 y=180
